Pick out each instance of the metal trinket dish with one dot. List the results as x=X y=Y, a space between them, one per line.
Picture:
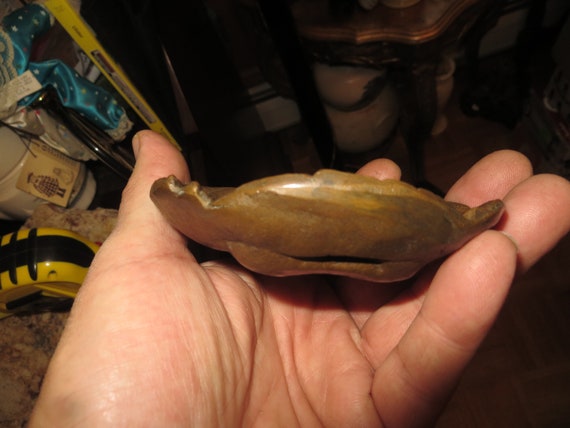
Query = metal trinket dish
x=331 y=222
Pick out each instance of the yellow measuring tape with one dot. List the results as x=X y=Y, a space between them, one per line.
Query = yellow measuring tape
x=40 y=267
x=76 y=27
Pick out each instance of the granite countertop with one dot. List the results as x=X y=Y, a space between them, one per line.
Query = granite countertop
x=27 y=343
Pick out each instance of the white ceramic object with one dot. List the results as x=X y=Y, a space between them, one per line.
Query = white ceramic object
x=365 y=128
x=11 y=148
x=16 y=204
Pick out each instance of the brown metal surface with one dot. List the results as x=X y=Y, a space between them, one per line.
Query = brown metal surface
x=331 y=222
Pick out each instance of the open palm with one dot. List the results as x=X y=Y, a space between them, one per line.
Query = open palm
x=155 y=339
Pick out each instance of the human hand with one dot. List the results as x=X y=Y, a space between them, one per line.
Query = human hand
x=155 y=339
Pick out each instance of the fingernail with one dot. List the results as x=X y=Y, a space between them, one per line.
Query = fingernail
x=136 y=144
x=511 y=238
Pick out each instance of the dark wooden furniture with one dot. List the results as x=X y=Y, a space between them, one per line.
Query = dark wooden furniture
x=410 y=41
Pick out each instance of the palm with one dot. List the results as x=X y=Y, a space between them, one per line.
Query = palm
x=290 y=346
x=156 y=339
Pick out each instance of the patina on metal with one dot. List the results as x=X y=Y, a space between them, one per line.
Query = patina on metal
x=331 y=222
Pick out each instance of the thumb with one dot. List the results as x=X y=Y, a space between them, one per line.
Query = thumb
x=155 y=157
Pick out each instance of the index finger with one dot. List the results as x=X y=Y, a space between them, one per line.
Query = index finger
x=537 y=208
x=492 y=177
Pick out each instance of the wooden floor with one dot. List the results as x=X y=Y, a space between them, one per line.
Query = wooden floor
x=521 y=375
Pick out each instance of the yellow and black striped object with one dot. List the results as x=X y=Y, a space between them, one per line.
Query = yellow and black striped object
x=41 y=267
